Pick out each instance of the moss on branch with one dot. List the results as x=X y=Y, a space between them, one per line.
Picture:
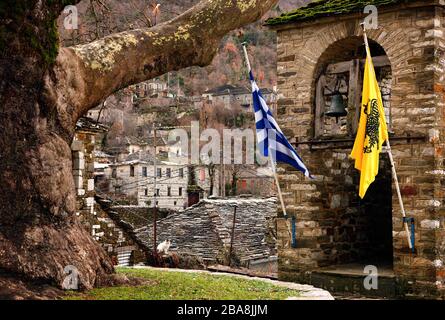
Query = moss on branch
x=33 y=25
x=324 y=8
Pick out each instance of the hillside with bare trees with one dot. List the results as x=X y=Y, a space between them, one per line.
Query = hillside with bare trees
x=98 y=18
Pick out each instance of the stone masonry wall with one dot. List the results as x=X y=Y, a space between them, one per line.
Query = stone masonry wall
x=104 y=229
x=412 y=40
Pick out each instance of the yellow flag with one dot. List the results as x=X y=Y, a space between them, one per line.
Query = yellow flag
x=372 y=131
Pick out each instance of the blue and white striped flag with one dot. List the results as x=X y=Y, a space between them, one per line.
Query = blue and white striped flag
x=270 y=137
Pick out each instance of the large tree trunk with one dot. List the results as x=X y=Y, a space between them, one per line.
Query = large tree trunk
x=43 y=92
x=39 y=234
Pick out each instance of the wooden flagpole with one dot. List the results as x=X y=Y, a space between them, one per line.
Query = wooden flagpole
x=393 y=168
x=274 y=169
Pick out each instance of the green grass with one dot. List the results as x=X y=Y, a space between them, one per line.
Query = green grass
x=168 y=285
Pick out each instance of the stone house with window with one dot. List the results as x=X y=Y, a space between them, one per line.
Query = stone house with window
x=320 y=53
x=229 y=95
x=257 y=181
x=135 y=179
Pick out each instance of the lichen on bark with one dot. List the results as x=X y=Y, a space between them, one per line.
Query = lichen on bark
x=105 y=50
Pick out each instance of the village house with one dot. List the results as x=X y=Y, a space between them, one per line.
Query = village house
x=134 y=178
x=151 y=88
x=257 y=181
x=321 y=55
x=229 y=95
x=105 y=227
x=205 y=230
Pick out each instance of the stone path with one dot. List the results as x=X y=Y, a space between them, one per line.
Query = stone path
x=308 y=292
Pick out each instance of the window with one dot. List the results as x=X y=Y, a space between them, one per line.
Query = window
x=175 y=203
x=181 y=172
x=202 y=175
x=144 y=171
x=114 y=173
x=169 y=172
x=158 y=192
x=146 y=192
x=159 y=172
x=180 y=191
x=131 y=171
x=169 y=191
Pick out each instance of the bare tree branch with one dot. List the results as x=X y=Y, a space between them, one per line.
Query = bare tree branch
x=96 y=70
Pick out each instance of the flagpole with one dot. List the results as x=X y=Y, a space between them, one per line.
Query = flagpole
x=280 y=195
x=393 y=167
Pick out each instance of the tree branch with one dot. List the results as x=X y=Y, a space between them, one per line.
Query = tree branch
x=96 y=70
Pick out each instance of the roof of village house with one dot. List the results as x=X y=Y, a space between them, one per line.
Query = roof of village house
x=234 y=90
x=325 y=8
x=90 y=125
x=141 y=157
x=227 y=89
x=101 y=154
x=131 y=140
x=215 y=216
x=160 y=141
x=266 y=90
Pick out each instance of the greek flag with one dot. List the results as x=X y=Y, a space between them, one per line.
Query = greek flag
x=269 y=135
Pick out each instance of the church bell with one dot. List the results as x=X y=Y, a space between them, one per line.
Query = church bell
x=337 y=108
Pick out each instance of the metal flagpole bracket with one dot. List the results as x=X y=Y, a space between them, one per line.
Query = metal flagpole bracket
x=294 y=232
x=410 y=221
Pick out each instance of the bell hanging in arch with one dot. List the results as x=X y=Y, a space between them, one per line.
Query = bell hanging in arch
x=337 y=108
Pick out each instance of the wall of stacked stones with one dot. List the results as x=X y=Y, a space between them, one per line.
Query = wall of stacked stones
x=116 y=235
x=204 y=230
x=83 y=172
x=438 y=141
x=412 y=40
x=98 y=222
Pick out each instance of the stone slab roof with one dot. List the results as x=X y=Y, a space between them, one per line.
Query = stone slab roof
x=204 y=229
x=328 y=8
x=90 y=125
x=228 y=89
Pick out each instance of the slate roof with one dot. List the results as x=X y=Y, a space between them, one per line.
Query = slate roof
x=327 y=8
x=204 y=229
x=90 y=125
x=228 y=89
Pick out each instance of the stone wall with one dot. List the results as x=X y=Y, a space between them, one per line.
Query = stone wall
x=204 y=230
x=114 y=234
x=412 y=40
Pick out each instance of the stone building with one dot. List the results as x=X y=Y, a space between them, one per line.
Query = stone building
x=257 y=181
x=105 y=227
x=320 y=47
x=204 y=230
x=230 y=95
x=133 y=179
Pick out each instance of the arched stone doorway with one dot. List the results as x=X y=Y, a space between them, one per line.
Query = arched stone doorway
x=358 y=231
